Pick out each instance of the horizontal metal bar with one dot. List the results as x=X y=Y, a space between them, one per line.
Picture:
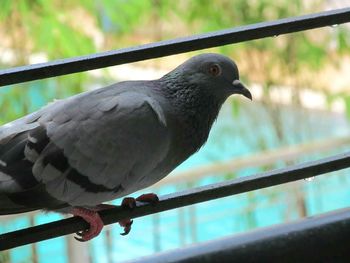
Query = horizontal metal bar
x=173 y=46
x=180 y=199
x=322 y=238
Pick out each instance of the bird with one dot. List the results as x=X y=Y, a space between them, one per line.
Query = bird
x=75 y=154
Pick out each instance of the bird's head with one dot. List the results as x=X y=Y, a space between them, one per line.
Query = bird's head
x=216 y=74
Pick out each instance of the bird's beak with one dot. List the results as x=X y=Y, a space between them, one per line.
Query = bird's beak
x=239 y=88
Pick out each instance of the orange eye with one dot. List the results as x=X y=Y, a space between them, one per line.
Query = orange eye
x=215 y=70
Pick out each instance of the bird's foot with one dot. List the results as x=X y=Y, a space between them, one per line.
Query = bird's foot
x=94 y=220
x=130 y=203
x=149 y=198
x=92 y=217
x=126 y=224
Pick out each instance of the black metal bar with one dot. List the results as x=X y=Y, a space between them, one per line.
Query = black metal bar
x=323 y=238
x=180 y=199
x=173 y=46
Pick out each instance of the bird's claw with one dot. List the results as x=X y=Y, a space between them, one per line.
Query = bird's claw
x=93 y=219
x=149 y=198
x=126 y=224
x=80 y=239
x=80 y=235
x=130 y=203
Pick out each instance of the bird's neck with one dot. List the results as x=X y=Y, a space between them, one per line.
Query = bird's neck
x=196 y=111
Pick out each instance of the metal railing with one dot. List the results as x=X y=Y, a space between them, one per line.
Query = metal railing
x=179 y=199
x=323 y=238
x=164 y=48
x=174 y=46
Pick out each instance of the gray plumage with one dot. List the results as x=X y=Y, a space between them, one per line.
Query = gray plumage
x=110 y=142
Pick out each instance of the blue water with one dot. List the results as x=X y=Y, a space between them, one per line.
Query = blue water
x=232 y=136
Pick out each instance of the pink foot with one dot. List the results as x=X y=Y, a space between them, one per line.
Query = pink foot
x=96 y=224
x=94 y=220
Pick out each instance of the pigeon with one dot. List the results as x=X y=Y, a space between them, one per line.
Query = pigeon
x=74 y=154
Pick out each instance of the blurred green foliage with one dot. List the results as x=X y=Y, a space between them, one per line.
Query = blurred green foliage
x=60 y=29
x=347 y=105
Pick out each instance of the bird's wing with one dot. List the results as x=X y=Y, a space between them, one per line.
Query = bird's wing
x=94 y=147
x=19 y=190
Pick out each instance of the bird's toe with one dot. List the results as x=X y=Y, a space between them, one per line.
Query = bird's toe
x=94 y=220
x=126 y=224
x=150 y=198
x=129 y=202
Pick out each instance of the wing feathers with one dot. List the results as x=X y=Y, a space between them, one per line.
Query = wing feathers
x=20 y=191
x=84 y=150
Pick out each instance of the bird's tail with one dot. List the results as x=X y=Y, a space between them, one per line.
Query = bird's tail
x=7 y=206
x=18 y=186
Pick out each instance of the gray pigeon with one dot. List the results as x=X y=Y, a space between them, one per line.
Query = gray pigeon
x=74 y=154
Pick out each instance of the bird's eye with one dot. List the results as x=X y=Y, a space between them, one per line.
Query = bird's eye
x=215 y=70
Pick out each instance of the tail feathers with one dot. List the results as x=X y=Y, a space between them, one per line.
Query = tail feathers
x=7 y=206
x=8 y=184
x=32 y=199
x=13 y=150
x=19 y=189
x=12 y=129
x=17 y=157
x=15 y=169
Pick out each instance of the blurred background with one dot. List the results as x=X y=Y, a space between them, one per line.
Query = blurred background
x=301 y=111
